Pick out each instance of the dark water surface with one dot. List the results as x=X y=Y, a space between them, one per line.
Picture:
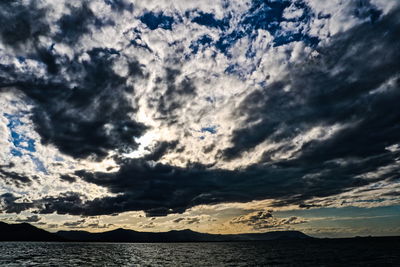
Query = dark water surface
x=346 y=252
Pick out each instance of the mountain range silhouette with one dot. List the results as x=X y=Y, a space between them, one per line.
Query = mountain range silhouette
x=27 y=232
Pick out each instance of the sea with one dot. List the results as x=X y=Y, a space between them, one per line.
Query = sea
x=323 y=252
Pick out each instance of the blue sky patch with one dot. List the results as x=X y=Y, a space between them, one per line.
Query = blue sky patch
x=20 y=141
x=210 y=129
x=16 y=152
x=21 y=59
x=209 y=20
x=203 y=41
x=268 y=15
x=157 y=20
x=289 y=38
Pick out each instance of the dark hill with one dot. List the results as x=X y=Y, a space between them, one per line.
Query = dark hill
x=123 y=235
x=25 y=232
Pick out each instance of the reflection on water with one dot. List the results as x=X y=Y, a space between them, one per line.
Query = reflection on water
x=282 y=253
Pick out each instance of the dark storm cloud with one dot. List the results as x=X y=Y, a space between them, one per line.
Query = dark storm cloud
x=65 y=203
x=68 y=178
x=158 y=189
x=93 y=117
x=81 y=105
x=160 y=150
x=337 y=88
x=162 y=189
x=365 y=10
x=78 y=22
x=21 y=23
x=13 y=177
x=88 y=118
x=333 y=89
x=12 y=204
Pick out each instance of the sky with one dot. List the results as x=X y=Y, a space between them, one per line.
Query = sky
x=217 y=116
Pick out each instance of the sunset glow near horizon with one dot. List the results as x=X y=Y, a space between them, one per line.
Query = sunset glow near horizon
x=216 y=116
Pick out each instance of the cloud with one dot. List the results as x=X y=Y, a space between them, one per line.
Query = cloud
x=187 y=220
x=68 y=178
x=70 y=91
x=90 y=117
x=12 y=176
x=75 y=224
x=120 y=5
x=99 y=226
x=12 y=204
x=29 y=219
x=77 y=22
x=160 y=149
x=162 y=189
x=264 y=220
x=328 y=91
x=176 y=93
x=25 y=22
x=304 y=97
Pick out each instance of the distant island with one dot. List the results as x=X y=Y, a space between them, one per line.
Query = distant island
x=28 y=232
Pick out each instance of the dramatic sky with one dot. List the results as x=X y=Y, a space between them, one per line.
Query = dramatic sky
x=215 y=115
